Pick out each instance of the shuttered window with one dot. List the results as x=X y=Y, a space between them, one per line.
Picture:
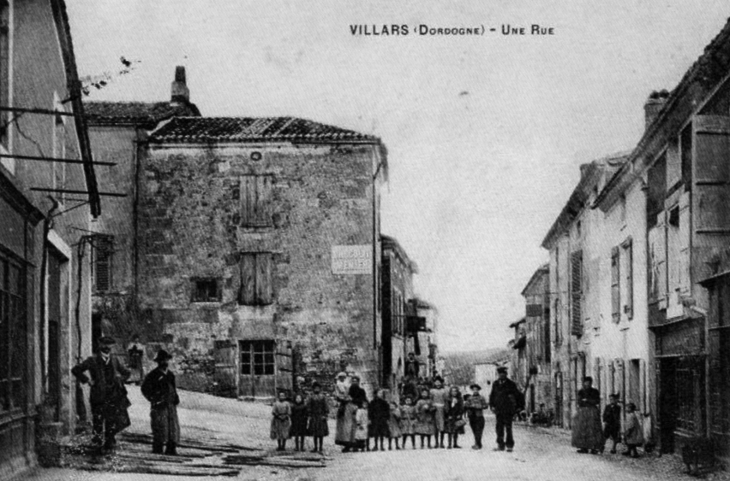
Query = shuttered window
x=13 y=333
x=615 y=285
x=255 y=197
x=576 y=293
x=628 y=267
x=103 y=254
x=4 y=72
x=256 y=288
x=206 y=290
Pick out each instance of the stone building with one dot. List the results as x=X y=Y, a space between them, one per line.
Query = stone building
x=258 y=243
x=537 y=353
x=397 y=296
x=117 y=131
x=681 y=161
x=48 y=194
x=574 y=302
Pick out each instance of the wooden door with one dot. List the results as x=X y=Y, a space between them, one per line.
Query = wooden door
x=257 y=368
x=226 y=377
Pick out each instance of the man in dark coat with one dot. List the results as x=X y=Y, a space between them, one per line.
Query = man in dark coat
x=159 y=389
x=108 y=397
x=505 y=400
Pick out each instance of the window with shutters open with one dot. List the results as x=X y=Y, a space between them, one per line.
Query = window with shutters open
x=576 y=293
x=256 y=287
x=615 y=285
x=103 y=254
x=256 y=197
x=629 y=275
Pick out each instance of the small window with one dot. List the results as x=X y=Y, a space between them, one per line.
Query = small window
x=206 y=290
x=674 y=217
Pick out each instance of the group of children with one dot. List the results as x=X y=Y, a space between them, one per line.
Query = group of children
x=300 y=419
x=633 y=432
x=437 y=413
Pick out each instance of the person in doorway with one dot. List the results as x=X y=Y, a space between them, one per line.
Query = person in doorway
x=634 y=433
x=438 y=396
x=159 y=389
x=412 y=368
x=587 y=429
x=135 y=351
x=299 y=416
x=612 y=421
x=108 y=396
x=318 y=409
x=281 y=421
x=475 y=406
x=378 y=414
x=505 y=400
x=408 y=421
x=425 y=423
x=454 y=417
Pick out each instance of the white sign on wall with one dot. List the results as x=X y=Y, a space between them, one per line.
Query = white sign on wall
x=352 y=259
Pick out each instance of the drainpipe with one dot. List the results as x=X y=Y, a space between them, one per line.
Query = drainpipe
x=47 y=226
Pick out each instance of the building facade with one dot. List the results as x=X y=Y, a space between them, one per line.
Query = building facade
x=258 y=252
x=48 y=194
x=537 y=353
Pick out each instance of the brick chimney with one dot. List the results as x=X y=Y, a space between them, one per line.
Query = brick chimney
x=179 y=89
x=653 y=106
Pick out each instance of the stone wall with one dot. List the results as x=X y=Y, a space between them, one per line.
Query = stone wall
x=190 y=227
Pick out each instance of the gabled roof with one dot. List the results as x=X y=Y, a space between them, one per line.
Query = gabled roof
x=137 y=114
x=541 y=271
x=248 y=129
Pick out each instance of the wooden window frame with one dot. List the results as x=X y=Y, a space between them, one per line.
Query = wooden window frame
x=256 y=359
x=616 y=285
x=576 y=293
x=104 y=256
x=13 y=326
x=628 y=250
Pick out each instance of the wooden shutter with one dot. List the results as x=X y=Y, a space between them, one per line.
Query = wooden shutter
x=247 y=293
x=104 y=247
x=256 y=200
x=284 y=365
x=576 y=263
x=615 y=285
x=711 y=191
x=263 y=279
x=629 y=251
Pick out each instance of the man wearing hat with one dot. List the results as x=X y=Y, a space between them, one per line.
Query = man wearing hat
x=475 y=407
x=108 y=396
x=505 y=400
x=159 y=389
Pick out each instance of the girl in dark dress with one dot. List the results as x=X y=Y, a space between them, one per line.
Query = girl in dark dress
x=612 y=420
x=379 y=414
x=454 y=417
x=318 y=413
x=299 y=415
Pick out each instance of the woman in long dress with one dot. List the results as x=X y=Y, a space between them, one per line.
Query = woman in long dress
x=587 y=428
x=280 y=421
x=318 y=413
x=346 y=422
x=454 y=424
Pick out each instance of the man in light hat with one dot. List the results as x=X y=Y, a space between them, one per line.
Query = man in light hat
x=505 y=400
x=108 y=396
x=159 y=389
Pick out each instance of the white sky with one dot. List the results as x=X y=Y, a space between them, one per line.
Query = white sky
x=476 y=179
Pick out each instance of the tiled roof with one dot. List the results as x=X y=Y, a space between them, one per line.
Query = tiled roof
x=146 y=114
x=246 y=129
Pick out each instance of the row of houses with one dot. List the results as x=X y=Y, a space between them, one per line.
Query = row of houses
x=635 y=291
x=250 y=248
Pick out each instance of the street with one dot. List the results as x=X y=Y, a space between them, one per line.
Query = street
x=228 y=438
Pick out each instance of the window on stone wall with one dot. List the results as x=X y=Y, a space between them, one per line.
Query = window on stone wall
x=258 y=358
x=256 y=197
x=103 y=256
x=628 y=254
x=256 y=279
x=205 y=290
x=13 y=330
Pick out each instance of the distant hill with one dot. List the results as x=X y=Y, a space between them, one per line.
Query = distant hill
x=459 y=366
